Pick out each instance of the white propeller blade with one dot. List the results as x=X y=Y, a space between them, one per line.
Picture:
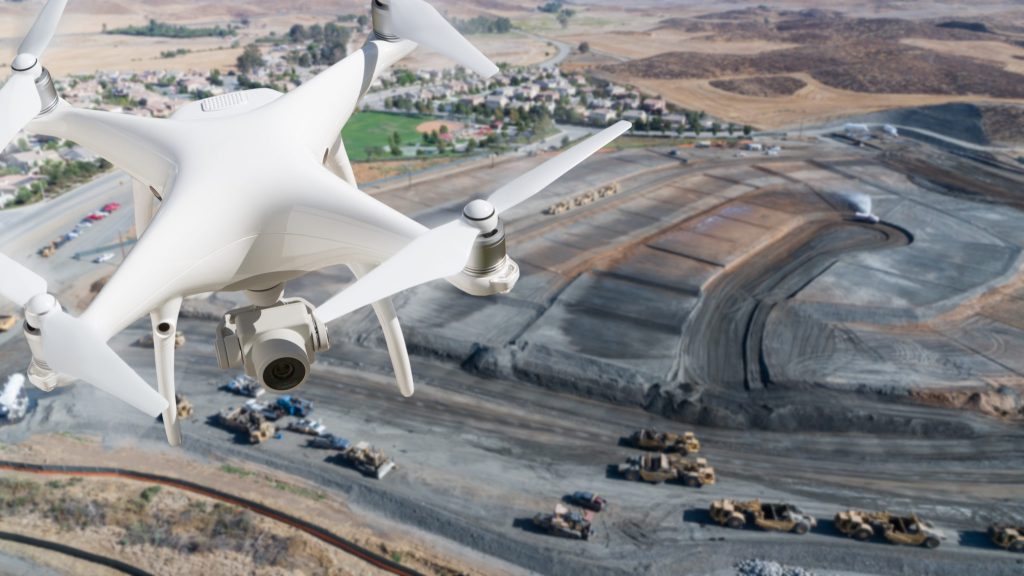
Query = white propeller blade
x=19 y=104
x=38 y=38
x=529 y=184
x=17 y=283
x=73 y=348
x=418 y=21
x=438 y=253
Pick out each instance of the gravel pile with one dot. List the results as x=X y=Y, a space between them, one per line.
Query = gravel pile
x=757 y=567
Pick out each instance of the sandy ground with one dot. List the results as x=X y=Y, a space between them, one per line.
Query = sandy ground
x=816 y=103
x=1011 y=57
x=428 y=127
x=637 y=45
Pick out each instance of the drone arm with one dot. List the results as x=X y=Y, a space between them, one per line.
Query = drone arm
x=339 y=163
x=165 y=323
x=319 y=108
x=142 y=147
x=393 y=337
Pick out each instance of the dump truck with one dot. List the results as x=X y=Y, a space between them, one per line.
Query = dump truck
x=146 y=340
x=7 y=322
x=246 y=421
x=366 y=459
x=906 y=530
x=565 y=523
x=685 y=443
x=245 y=385
x=1009 y=537
x=658 y=467
x=767 y=516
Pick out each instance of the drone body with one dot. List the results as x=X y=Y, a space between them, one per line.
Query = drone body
x=244 y=192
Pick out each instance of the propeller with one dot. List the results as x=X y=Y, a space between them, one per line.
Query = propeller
x=420 y=22
x=19 y=98
x=72 y=346
x=444 y=251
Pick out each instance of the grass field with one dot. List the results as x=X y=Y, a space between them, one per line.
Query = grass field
x=368 y=129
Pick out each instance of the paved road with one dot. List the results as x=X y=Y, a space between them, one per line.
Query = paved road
x=24 y=231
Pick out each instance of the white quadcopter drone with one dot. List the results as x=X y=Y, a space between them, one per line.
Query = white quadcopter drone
x=244 y=192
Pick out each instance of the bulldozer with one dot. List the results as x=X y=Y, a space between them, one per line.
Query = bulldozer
x=766 y=516
x=564 y=523
x=246 y=421
x=366 y=459
x=685 y=443
x=656 y=467
x=905 y=530
x=1008 y=537
x=184 y=408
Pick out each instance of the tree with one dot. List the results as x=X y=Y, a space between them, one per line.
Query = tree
x=715 y=128
x=362 y=20
x=564 y=16
x=732 y=128
x=584 y=47
x=470 y=146
x=251 y=59
x=747 y=130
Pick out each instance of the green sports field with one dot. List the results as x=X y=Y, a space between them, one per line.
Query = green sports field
x=368 y=129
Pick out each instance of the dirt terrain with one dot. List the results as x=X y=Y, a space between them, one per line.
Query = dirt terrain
x=840 y=57
x=837 y=371
x=761 y=86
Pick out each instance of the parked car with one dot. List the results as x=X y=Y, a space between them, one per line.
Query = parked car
x=587 y=500
x=110 y=208
x=102 y=258
x=307 y=426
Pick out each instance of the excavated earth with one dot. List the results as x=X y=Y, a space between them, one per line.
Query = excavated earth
x=821 y=361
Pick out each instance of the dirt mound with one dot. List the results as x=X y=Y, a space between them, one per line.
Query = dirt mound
x=762 y=86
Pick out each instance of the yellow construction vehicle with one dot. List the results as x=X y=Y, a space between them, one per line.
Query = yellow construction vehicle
x=767 y=516
x=1009 y=537
x=906 y=530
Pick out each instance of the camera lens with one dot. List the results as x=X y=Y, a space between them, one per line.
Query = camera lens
x=284 y=374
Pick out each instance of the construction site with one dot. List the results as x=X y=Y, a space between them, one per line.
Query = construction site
x=846 y=384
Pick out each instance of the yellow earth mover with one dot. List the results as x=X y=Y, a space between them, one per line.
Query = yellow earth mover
x=7 y=322
x=906 y=530
x=685 y=443
x=656 y=467
x=767 y=516
x=246 y=421
x=184 y=408
x=1009 y=537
